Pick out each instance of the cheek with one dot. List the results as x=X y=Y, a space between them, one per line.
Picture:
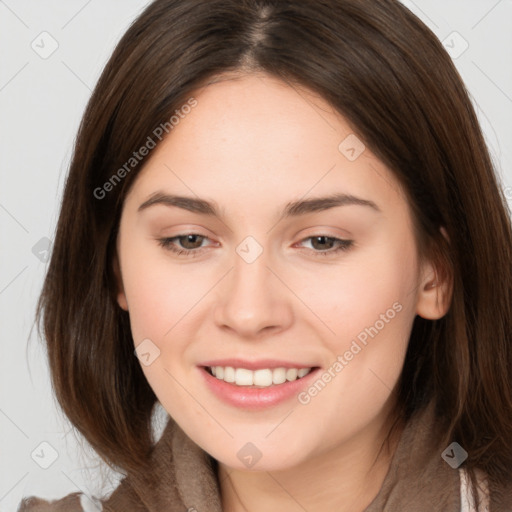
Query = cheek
x=370 y=308
x=150 y=303
x=159 y=299
x=368 y=305
x=368 y=289
x=159 y=294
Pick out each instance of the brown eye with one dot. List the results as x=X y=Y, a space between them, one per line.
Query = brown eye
x=322 y=242
x=190 y=244
x=323 y=245
x=190 y=241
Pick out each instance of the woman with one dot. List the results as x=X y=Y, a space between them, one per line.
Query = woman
x=283 y=208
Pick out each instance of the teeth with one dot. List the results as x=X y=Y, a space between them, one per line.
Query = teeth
x=229 y=373
x=303 y=372
x=244 y=377
x=262 y=378
x=278 y=375
x=291 y=374
x=259 y=378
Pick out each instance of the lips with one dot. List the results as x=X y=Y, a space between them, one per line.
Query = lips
x=240 y=389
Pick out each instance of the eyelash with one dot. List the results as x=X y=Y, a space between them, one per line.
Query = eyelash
x=167 y=243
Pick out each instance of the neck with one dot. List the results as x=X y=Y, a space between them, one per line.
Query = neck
x=346 y=478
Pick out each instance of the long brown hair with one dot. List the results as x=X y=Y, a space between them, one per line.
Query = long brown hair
x=387 y=73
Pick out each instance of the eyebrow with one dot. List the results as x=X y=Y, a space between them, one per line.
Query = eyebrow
x=291 y=209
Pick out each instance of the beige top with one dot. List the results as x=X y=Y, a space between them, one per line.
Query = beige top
x=184 y=477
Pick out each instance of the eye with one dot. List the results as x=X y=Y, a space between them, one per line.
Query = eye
x=327 y=245
x=189 y=244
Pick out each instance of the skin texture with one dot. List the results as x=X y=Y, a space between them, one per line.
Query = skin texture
x=252 y=145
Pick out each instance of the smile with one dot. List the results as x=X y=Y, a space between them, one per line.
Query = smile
x=261 y=378
x=267 y=384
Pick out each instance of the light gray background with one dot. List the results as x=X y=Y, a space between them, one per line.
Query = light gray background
x=42 y=98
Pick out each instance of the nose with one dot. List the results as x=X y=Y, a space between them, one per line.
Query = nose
x=253 y=301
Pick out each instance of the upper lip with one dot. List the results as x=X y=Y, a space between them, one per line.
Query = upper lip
x=256 y=365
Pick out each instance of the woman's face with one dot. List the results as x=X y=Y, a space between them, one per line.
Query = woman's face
x=273 y=278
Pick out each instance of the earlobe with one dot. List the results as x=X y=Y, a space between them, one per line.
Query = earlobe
x=121 y=296
x=121 y=300
x=435 y=291
x=432 y=299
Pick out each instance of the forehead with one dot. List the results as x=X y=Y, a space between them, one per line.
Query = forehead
x=256 y=139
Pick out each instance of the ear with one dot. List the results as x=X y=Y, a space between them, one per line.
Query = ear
x=435 y=289
x=121 y=296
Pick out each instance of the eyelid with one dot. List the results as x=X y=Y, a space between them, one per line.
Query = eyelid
x=166 y=242
x=341 y=244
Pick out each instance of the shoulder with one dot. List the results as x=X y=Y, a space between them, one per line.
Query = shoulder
x=75 y=502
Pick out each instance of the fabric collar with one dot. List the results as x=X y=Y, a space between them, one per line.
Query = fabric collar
x=184 y=477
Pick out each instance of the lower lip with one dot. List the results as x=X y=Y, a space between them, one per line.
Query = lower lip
x=256 y=398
